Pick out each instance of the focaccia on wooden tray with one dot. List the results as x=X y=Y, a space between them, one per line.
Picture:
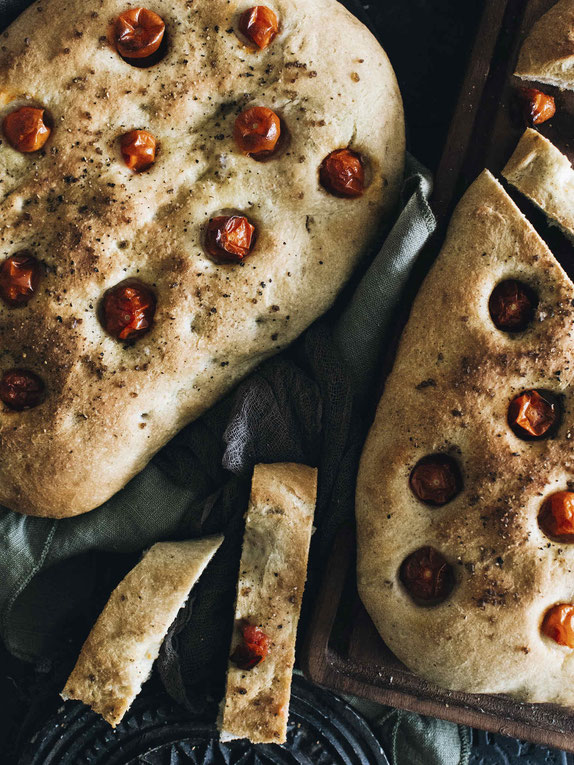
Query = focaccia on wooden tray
x=270 y=588
x=547 y=54
x=465 y=499
x=158 y=237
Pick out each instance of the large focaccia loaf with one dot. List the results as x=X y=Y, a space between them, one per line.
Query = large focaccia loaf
x=449 y=393
x=92 y=222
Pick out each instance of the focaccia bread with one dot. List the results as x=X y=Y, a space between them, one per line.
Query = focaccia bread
x=118 y=655
x=547 y=54
x=94 y=381
x=543 y=174
x=270 y=588
x=464 y=560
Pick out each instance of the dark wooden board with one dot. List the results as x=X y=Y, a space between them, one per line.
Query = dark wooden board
x=342 y=649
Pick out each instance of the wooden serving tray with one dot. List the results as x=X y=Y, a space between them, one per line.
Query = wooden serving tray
x=342 y=649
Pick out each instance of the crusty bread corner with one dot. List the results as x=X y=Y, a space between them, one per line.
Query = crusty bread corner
x=547 y=54
x=543 y=174
x=118 y=655
x=270 y=588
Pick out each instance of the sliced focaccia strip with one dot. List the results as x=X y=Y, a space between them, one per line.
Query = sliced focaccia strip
x=269 y=592
x=118 y=655
x=543 y=174
x=547 y=54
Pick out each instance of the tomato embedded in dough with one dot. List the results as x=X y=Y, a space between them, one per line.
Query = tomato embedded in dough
x=259 y=24
x=257 y=131
x=426 y=576
x=138 y=149
x=512 y=305
x=532 y=415
x=229 y=238
x=537 y=106
x=21 y=389
x=128 y=309
x=435 y=479
x=342 y=173
x=19 y=278
x=558 y=624
x=556 y=517
x=138 y=33
x=25 y=129
x=252 y=649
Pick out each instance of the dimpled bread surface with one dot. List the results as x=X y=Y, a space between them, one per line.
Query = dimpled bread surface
x=92 y=222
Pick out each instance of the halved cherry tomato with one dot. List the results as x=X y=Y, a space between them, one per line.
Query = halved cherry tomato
x=19 y=277
x=139 y=33
x=21 y=389
x=556 y=516
x=426 y=575
x=128 y=310
x=342 y=173
x=25 y=129
x=259 y=24
x=530 y=414
x=435 y=479
x=138 y=150
x=511 y=306
x=257 y=131
x=229 y=238
x=538 y=107
x=252 y=650
x=558 y=624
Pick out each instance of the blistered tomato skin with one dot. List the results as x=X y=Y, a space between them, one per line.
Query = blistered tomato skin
x=25 y=129
x=128 y=310
x=558 y=624
x=138 y=149
x=253 y=649
x=426 y=576
x=511 y=306
x=531 y=415
x=229 y=238
x=138 y=33
x=435 y=480
x=342 y=174
x=259 y=24
x=21 y=389
x=19 y=278
x=556 y=516
x=257 y=131
x=538 y=107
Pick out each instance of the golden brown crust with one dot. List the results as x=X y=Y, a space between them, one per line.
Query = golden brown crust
x=118 y=654
x=543 y=174
x=449 y=391
x=92 y=222
x=270 y=588
x=547 y=54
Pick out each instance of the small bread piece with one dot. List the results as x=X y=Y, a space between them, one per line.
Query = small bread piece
x=547 y=54
x=543 y=174
x=118 y=655
x=272 y=577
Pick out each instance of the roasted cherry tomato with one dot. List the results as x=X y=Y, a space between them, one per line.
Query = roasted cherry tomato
x=252 y=650
x=426 y=575
x=138 y=150
x=259 y=24
x=21 y=389
x=556 y=516
x=342 y=173
x=25 y=129
x=19 y=277
x=511 y=306
x=128 y=310
x=530 y=414
x=558 y=624
x=229 y=238
x=139 y=33
x=257 y=131
x=538 y=107
x=435 y=479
